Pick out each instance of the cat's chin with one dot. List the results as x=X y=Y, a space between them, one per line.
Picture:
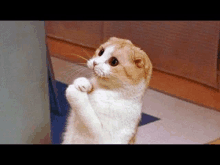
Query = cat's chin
x=100 y=77
x=100 y=74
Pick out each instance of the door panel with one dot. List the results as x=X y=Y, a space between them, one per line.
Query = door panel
x=85 y=33
x=184 y=48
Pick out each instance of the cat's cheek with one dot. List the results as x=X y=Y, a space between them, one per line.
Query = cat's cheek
x=106 y=69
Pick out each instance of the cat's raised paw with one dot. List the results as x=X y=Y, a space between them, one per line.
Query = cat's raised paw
x=83 y=84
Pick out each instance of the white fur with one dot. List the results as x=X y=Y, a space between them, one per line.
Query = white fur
x=106 y=55
x=118 y=115
x=83 y=126
x=102 y=68
x=103 y=116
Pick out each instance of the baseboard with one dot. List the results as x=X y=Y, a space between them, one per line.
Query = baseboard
x=170 y=84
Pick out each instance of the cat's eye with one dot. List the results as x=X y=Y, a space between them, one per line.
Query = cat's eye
x=101 y=51
x=113 y=61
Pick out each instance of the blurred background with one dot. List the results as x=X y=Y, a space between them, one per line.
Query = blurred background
x=185 y=66
x=184 y=53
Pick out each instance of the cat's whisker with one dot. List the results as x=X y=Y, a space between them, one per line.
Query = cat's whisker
x=86 y=53
x=82 y=70
x=78 y=70
x=76 y=55
x=78 y=74
x=83 y=64
x=80 y=63
x=72 y=75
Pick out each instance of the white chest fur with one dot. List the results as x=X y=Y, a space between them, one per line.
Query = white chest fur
x=103 y=116
x=119 y=117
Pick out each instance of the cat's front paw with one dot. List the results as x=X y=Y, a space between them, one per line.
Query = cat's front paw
x=75 y=97
x=83 y=84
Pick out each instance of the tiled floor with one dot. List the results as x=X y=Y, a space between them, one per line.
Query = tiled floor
x=180 y=122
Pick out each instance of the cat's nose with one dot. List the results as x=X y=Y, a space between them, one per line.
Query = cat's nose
x=94 y=63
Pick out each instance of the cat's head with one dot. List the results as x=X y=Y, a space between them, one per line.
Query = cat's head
x=118 y=59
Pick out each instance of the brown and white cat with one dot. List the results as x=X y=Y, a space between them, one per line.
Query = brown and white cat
x=106 y=109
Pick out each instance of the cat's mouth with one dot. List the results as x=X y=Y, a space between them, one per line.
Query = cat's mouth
x=98 y=72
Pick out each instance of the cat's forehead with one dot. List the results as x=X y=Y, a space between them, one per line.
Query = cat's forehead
x=121 y=49
x=122 y=53
x=116 y=48
x=108 y=51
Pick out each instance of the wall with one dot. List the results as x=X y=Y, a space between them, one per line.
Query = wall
x=24 y=100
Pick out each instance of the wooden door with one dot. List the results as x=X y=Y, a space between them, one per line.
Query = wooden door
x=184 y=48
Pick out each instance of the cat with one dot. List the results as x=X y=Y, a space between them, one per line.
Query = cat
x=106 y=109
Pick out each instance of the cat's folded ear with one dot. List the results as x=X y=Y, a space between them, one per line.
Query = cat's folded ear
x=141 y=60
